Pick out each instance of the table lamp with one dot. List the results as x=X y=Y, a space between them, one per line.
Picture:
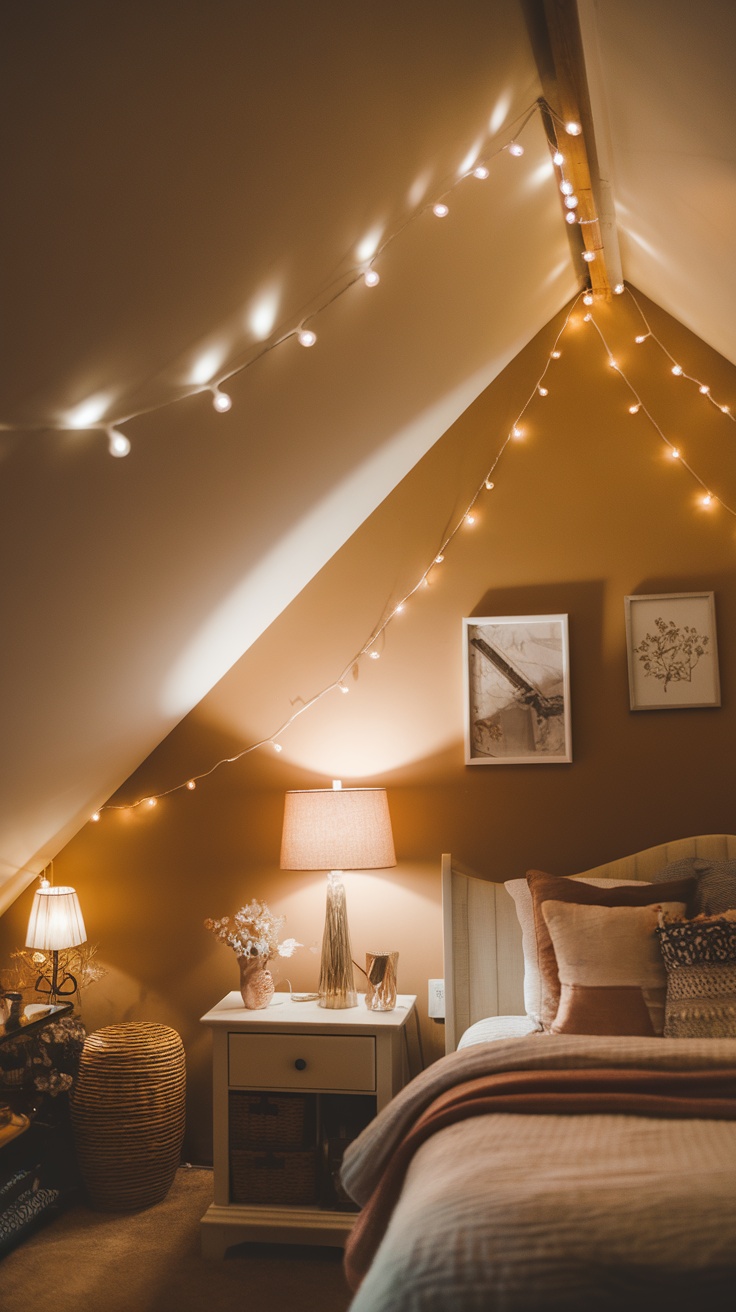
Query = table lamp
x=337 y=829
x=55 y=923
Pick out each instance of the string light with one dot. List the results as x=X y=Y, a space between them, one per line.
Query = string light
x=220 y=400
x=371 y=278
x=118 y=443
x=441 y=210
x=588 y=256
x=641 y=337
x=191 y=785
x=555 y=355
x=619 y=289
x=677 y=369
x=307 y=337
x=573 y=129
x=566 y=188
x=95 y=816
x=558 y=158
x=516 y=149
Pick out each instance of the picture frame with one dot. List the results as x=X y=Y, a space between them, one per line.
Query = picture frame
x=517 y=690
x=672 y=651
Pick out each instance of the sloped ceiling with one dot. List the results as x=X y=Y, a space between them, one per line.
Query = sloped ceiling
x=185 y=184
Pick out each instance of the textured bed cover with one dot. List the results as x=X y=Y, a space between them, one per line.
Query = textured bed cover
x=511 y=1212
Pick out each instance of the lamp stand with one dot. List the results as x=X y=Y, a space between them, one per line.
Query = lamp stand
x=55 y=986
x=336 y=982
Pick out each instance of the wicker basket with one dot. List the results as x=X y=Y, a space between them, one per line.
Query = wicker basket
x=270 y=1177
x=128 y=1114
x=283 y=1121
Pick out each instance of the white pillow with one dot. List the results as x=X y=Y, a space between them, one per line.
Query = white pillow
x=518 y=889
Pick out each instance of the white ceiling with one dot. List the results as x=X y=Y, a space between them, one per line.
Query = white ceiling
x=185 y=182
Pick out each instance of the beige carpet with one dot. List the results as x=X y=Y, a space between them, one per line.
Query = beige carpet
x=149 y=1261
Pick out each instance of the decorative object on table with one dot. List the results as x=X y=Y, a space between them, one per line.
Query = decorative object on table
x=253 y=934
x=128 y=1114
x=380 y=969
x=517 y=690
x=337 y=829
x=671 y=650
x=55 y=923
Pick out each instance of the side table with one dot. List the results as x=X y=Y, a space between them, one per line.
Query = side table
x=292 y=1084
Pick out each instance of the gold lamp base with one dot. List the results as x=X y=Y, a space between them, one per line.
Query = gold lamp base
x=336 y=981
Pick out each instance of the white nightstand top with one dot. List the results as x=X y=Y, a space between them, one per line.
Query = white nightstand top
x=284 y=1014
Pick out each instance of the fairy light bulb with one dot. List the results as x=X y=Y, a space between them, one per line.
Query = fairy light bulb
x=399 y=609
x=95 y=816
x=588 y=298
x=704 y=389
x=470 y=518
x=588 y=256
x=677 y=369
x=543 y=391
x=306 y=337
x=343 y=687
x=573 y=129
x=634 y=409
x=489 y=485
x=439 y=559
x=618 y=289
x=642 y=337
x=708 y=499
x=117 y=443
x=675 y=453
x=516 y=431
x=555 y=355
x=440 y=209
x=150 y=801
x=587 y=318
x=516 y=149
x=571 y=217
x=725 y=409
x=612 y=363
x=371 y=278
x=374 y=655
x=221 y=401
x=566 y=188
x=571 y=202
x=558 y=158
x=191 y=785
x=481 y=172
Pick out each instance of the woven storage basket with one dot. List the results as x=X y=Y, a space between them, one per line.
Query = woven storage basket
x=128 y=1114
x=269 y=1177
x=271 y=1120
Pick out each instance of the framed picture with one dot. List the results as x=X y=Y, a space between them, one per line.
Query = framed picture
x=672 y=652
x=517 y=690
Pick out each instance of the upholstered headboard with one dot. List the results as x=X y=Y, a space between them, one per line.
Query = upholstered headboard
x=484 y=967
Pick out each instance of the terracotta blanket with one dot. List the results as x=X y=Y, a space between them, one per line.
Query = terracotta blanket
x=700 y=1093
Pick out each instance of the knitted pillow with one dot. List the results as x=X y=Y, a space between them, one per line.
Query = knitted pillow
x=700 y=960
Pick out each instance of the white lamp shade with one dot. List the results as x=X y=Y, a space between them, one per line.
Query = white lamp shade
x=337 y=829
x=56 y=920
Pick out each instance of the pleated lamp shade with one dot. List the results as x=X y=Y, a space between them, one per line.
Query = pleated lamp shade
x=56 y=920
x=337 y=829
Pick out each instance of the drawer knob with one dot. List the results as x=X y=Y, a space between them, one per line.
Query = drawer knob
x=300 y=1064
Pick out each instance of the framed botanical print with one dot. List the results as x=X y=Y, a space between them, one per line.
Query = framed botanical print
x=671 y=650
x=517 y=690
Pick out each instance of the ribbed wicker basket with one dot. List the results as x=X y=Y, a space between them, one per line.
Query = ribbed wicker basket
x=271 y=1120
x=127 y=1114
x=270 y=1177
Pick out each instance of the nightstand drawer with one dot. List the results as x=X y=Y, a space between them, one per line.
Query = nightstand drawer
x=302 y=1061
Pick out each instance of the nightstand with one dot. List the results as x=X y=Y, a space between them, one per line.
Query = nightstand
x=292 y=1085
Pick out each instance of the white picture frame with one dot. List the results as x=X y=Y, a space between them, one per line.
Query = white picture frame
x=672 y=651
x=517 y=690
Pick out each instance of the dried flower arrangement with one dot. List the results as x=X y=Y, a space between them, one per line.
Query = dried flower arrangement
x=253 y=932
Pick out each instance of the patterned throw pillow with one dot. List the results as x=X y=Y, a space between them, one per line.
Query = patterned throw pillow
x=700 y=959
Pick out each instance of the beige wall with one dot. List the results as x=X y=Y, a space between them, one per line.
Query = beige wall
x=587 y=509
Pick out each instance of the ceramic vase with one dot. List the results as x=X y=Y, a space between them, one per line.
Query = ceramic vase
x=256 y=982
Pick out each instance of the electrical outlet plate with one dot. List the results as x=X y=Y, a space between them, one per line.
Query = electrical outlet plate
x=437 y=999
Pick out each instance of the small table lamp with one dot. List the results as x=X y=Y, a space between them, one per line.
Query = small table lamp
x=337 y=829
x=55 y=923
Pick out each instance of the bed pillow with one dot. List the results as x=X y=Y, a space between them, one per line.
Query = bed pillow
x=716 y=891
x=519 y=891
x=700 y=959
x=545 y=888
x=612 y=976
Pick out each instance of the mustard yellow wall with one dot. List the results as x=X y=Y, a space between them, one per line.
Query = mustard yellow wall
x=587 y=509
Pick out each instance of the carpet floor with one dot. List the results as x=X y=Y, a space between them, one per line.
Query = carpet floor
x=150 y=1261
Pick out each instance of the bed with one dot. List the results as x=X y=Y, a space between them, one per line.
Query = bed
x=538 y=1165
